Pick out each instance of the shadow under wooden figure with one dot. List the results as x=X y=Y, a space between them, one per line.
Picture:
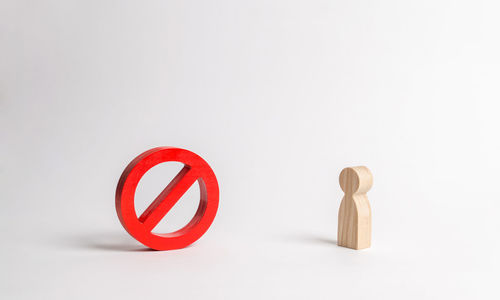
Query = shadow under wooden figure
x=355 y=217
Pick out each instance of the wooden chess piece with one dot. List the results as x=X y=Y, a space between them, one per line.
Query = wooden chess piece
x=355 y=217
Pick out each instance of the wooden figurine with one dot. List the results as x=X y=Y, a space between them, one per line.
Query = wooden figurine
x=355 y=217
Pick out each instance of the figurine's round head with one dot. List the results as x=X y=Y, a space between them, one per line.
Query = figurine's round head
x=356 y=180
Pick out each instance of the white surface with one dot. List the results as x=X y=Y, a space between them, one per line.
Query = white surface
x=278 y=96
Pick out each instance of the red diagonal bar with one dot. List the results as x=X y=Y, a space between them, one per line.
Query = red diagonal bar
x=168 y=197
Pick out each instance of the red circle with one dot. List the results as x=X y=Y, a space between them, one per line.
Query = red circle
x=195 y=169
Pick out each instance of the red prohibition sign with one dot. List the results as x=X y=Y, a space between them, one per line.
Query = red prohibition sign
x=195 y=169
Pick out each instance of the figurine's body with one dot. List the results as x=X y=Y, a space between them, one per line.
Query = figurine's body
x=354 y=230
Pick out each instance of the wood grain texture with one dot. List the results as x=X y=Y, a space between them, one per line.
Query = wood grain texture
x=355 y=218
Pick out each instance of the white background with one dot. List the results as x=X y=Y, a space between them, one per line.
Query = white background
x=278 y=96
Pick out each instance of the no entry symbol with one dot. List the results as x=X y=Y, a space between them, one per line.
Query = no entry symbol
x=195 y=169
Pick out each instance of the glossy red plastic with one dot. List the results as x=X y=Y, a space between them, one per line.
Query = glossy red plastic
x=195 y=169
